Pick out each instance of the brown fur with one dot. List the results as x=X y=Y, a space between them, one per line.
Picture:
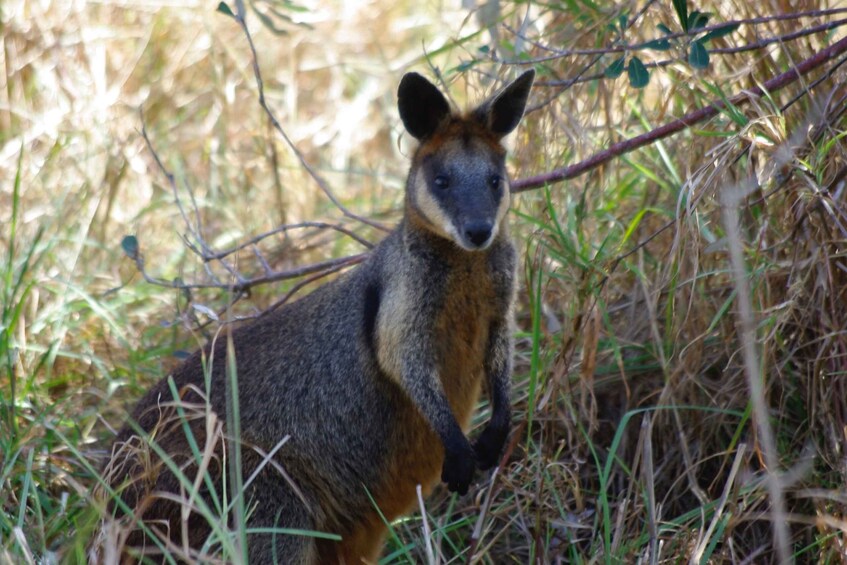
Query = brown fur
x=374 y=377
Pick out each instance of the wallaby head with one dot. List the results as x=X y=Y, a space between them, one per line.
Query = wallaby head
x=458 y=187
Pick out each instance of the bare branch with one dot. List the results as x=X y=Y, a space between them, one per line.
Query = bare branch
x=779 y=38
x=204 y=248
x=245 y=284
x=239 y=285
x=559 y=53
x=309 y=280
x=582 y=77
x=171 y=181
x=321 y=182
x=353 y=260
x=581 y=74
x=620 y=148
x=283 y=229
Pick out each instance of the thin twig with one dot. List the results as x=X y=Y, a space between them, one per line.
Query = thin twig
x=620 y=148
x=261 y=259
x=289 y=274
x=247 y=284
x=824 y=76
x=559 y=53
x=779 y=38
x=580 y=76
x=282 y=300
x=239 y=17
x=198 y=240
x=283 y=229
x=239 y=288
x=296 y=288
x=171 y=181
x=721 y=51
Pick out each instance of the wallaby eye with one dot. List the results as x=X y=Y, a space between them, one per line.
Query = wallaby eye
x=495 y=181
x=442 y=182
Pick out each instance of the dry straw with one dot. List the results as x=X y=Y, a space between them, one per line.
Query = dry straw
x=680 y=381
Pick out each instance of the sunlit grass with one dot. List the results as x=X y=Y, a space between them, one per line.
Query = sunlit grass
x=635 y=436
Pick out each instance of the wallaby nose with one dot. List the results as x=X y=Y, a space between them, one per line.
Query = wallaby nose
x=478 y=232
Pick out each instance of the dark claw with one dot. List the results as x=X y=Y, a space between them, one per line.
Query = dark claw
x=458 y=469
x=489 y=446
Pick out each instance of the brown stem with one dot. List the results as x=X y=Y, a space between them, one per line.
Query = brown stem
x=688 y=120
x=242 y=284
x=210 y=256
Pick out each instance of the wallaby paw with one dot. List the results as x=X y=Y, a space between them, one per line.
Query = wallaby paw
x=489 y=446
x=458 y=469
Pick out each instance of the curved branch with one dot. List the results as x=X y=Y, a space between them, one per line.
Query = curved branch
x=283 y=229
x=244 y=284
x=688 y=120
x=559 y=53
x=761 y=44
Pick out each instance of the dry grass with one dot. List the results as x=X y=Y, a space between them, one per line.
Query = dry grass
x=640 y=437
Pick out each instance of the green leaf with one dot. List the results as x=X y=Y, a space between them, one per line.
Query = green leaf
x=130 y=246
x=622 y=21
x=269 y=23
x=681 y=7
x=664 y=29
x=615 y=69
x=658 y=45
x=719 y=32
x=294 y=7
x=639 y=76
x=225 y=10
x=730 y=110
x=696 y=20
x=698 y=56
x=484 y=49
x=285 y=17
x=633 y=225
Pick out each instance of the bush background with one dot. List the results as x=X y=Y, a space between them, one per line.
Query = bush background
x=636 y=436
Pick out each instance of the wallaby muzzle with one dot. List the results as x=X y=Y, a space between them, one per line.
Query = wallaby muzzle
x=478 y=232
x=475 y=222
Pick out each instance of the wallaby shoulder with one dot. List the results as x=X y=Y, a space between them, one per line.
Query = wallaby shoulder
x=364 y=388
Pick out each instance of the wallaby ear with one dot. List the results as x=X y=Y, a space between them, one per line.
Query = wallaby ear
x=422 y=107
x=503 y=111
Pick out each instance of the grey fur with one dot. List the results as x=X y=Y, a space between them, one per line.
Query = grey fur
x=374 y=375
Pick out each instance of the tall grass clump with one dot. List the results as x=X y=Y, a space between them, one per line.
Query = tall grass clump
x=679 y=392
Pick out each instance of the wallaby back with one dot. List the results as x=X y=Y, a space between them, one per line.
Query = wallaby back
x=373 y=377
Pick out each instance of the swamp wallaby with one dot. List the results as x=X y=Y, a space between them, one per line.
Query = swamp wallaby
x=373 y=376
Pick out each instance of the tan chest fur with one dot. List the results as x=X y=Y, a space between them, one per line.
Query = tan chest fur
x=461 y=335
x=462 y=332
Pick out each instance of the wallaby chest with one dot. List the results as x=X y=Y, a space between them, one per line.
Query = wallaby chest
x=453 y=311
x=461 y=333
